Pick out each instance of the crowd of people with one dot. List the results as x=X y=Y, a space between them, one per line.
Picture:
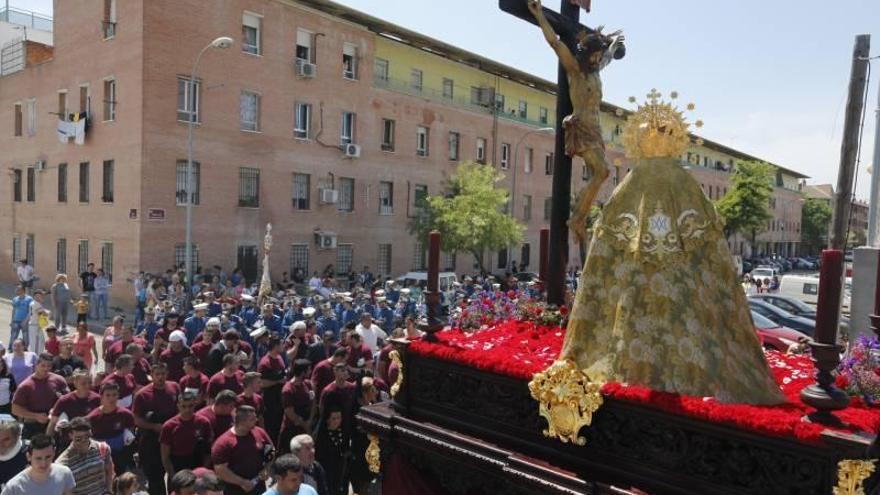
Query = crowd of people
x=224 y=391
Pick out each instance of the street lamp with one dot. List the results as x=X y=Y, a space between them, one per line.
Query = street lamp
x=222 y=42
x=542 y=130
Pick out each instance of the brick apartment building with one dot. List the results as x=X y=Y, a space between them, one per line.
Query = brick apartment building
x=276 y=117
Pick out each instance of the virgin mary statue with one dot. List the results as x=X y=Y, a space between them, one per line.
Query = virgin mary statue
x=659 y=303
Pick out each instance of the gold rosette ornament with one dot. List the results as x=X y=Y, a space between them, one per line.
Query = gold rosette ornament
x=851 y=474
x=567 y=400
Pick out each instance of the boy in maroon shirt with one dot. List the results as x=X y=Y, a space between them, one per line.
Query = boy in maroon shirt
x=219 y=414
x=35 y=396
x=195 y=380
x=80 y=402
x=153 y=405
x=52 y=345
x=115 y=426
x=250 y=397
x=240 y=454
x=186 y=438
x=123 y=379
x=228 y=378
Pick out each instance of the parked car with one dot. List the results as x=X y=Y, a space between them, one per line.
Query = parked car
x=526 y=276
x=763 y=272
x=787 y=303
x=782 y=317
x=772 y=335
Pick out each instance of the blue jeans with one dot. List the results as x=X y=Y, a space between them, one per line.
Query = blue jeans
x=16 y=330
x=101 y=306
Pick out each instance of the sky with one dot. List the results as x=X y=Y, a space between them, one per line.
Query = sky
x=769 y=78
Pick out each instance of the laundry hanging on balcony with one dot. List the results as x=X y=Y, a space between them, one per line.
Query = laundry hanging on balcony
x=75 y=128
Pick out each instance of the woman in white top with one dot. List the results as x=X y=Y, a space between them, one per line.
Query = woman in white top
x=7 y=388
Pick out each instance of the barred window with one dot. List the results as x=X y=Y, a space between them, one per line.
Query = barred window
x=387 y=135
x=62 y=183
x=527 y=207
x=299 y=258
x=301 y=189
x=449 y=262
x=61 y=256
x=31 y=184
x=454 y=141
x=107 y=259
x=548 y=207
x=16 y=185
x=249 y=187
x=421 y=141
x=181 y=182
x=16 y=247
x=107 y=182
x=420 y=258
x=180 y=255
x=84 y=182
x=383 y=263
x=344 y=258
x=82 y=256
x=29 y=249
x=386 y=198
x=346 y=195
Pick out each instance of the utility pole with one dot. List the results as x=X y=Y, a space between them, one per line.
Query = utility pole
x=873 y=211
x=850 y=145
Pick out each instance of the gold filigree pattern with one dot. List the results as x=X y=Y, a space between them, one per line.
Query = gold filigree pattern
x=567 y=400
x=373 y=454
x=851 y=474
x=395 y=358
x=657 y=128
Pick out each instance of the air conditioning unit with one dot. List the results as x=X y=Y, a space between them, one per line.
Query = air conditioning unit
x=328 y=196
x=325 y=240
x=352 y=150
x=40 y=165
x=306 y=69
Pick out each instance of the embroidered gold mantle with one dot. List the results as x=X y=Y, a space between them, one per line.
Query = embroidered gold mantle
x=658 y=303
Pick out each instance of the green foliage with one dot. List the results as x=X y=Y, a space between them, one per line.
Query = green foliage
x=815 y=222
x=744 y=209
x=470 y=214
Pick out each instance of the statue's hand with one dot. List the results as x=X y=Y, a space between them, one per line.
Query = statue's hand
x=534 y=6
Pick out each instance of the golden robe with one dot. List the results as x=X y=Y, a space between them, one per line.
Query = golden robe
x=659 y=303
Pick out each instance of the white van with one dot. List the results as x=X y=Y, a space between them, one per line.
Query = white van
x=806 y=288
x=421 y=278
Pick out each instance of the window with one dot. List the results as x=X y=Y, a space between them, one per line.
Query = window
x=305 y=46
x=250 y=33
x=182 y=182
x=32 y=117
x=18 y=119
x=62 y=104
x=449 y=264
x=249 y=187
x=543 y=115
x=505 y=156
x=299 y=258
x=387 y=135
x=548 y=208
x=62 y=183
x=180 y=255
x=108 y=26
x=380 y=70
x=548 y=164
x=523 y=109
x=82 y=256
x=499 y=102
x=301 y=191
x=344 y=258
x=16 y=247
x=386 y=198
x=249 y=111
x=502 y=259
x=349 y=61
x=107 y=182
x=527 y=207
x=107 y=259
x=415 y=79
x=525 y=254
x=448 y=88
x=29 y=249
x=61 y=256
x=109 y=100
x=383 y=264
x=346 y=195
x=421 y=141
x=16 y=185
x=481 y=150
x=454 y=140
x=348 y=128
x=303 y=124
x=527 y=166
x=84 y=100
x=420 y=258
x=188 y=99
x=31 y=185
x=420 y=199
x=84 y=182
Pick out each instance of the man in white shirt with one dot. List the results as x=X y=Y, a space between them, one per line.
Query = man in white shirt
x=25 y=274
x=42 y=476
x=370 y=333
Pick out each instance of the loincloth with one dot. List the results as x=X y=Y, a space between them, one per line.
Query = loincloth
x=581 y=136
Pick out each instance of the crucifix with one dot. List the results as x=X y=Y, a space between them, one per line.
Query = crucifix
x=582 y=53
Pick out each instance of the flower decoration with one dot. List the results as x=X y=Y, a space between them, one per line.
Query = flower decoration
x=859 y=371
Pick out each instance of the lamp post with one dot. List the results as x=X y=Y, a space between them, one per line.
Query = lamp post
x=543 y=130
x=221 y=42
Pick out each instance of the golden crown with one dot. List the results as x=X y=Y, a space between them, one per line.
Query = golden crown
x=657 y=128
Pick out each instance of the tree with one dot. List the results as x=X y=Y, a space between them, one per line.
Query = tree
x=470 y=214
x=815 y=222
x=744 y=209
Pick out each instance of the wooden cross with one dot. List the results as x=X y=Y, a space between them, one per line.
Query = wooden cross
x=567 y=26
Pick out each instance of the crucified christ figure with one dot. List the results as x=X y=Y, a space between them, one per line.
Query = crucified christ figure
x=583 y=135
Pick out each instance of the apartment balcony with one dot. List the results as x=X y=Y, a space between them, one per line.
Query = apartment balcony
x=26 y=18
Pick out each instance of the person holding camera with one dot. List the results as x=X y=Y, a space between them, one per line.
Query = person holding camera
x=153 y=406
x=242 y=454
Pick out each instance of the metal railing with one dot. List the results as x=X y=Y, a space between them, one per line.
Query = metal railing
x=26 y=18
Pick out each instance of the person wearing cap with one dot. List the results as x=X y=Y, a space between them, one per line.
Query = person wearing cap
x=327 y=322
x=392 y=293
x=260 y=339
x=195 y=323
x=153 y=406
x=147 y=328
x=293 y=313
x=309 y=313
x=230 y=377
x=370 y=332
x=384 y=314
x=206 y=340
x=214 y=307
x=270 y=320
x=296 y=345
x=323 y=348
x=174 y=355
x=249 y=313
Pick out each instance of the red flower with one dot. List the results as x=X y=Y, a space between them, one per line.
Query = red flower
x=563 y=310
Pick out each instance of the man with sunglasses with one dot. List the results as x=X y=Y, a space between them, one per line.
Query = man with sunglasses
x=88 y=459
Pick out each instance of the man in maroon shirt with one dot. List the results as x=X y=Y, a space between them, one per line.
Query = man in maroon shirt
x=250 y=396
x=186 y=438
x=154 y=405
x=322 y=374
x=35 y=396
x=118 y=347
x=271 y=368
x=219 y=414
x=141 y=369
x=298 y=401
x=194 y=380
x=76 y=404
x=205 y=340
x=229 y=378
x=174 y=355
x=360 y=357
x=340 y=393
x=115 y=425
x=124 y=379
x=241 y=454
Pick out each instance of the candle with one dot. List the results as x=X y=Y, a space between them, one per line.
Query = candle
x=433 y=260
x=828 y=306
x=544 y=254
